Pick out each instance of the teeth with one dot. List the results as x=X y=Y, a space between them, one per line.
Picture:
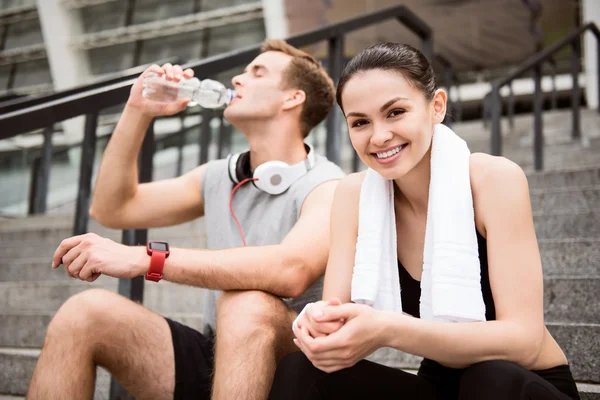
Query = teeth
x=386 y=154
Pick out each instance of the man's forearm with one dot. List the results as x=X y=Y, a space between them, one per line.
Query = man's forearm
x=118 y=174
x=268 y=268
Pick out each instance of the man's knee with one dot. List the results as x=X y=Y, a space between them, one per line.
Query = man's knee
x=83 y=313
x=252 y=314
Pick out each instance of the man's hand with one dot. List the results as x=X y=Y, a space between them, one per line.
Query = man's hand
x=152 y=108
x=314 y=327
x=88 y=256
x=356 y=339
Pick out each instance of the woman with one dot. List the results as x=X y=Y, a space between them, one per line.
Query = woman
x=389 y=97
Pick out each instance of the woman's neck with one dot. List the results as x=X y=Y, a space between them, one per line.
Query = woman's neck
x=412 y=191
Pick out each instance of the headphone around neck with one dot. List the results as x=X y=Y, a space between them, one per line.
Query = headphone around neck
x=273 y=177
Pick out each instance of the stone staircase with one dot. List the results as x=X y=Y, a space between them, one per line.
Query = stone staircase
x=566 y=204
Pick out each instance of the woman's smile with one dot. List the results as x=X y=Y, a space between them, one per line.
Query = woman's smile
x=389 y=155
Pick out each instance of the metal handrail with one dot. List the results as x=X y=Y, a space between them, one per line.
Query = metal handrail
x=534 y=63
x=115 y=77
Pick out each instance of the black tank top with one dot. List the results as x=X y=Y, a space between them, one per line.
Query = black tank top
x=411 y=288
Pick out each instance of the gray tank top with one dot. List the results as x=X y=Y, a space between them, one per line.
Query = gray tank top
x=265 y=219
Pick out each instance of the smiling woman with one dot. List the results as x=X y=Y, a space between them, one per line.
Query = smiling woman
x=431 y=249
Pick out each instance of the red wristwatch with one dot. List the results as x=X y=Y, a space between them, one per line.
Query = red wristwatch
x=158 y=252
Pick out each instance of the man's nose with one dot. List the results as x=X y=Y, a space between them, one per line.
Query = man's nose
x=237 y=80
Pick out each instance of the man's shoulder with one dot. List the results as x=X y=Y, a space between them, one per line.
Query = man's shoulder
x=323 y=164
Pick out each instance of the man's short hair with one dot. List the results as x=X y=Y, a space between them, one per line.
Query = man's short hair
x=305 y=73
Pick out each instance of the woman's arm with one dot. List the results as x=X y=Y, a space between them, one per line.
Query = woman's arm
x=503 y=209
x=340 y=263
x=343 y=231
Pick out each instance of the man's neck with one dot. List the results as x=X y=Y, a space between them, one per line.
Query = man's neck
x=275 y=140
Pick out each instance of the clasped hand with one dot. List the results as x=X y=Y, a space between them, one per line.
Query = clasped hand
x=335 y=336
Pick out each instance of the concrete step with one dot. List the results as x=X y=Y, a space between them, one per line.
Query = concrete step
x=48 y=296
x=28 y=329
x=56 y=227
x=563 y=199
x=570 y=257
x=567 y=224
x=572 y=300
x=568 y=177
x=16 y=369
x=580 y=342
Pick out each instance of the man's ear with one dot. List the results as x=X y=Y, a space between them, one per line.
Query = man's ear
x=439 y=106
x=293 y=99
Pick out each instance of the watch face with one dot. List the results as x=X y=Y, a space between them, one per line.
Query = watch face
x=159 y=246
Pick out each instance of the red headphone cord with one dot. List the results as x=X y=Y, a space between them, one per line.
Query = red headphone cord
x=231 y=206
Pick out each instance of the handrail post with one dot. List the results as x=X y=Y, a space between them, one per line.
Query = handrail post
x=40 y=173
x=334 y=65
x=224 y=136
x=33 y=184
x=486 y=110
x=575 y=92
x=538 y=137
x=510 y=111
x=180 y=146
x=205 y=136
x=427 y=47
x=86 y=167
x=496 y=111
x=554 y=97
x=598 y=67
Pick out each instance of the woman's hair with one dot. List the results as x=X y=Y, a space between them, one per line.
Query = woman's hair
x=396 y=57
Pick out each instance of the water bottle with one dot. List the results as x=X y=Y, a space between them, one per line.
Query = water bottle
x=206 y=93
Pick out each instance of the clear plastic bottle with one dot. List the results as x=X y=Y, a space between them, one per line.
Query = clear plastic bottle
x=207 y=93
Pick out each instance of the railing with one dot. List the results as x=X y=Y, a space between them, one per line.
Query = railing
x=534 y=64
x=116 y=77
x=65 y=105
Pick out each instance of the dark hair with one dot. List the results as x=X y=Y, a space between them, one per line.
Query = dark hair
x=397 y=57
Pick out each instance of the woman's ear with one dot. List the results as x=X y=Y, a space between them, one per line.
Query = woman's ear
x=439 y=106
x=294 y=98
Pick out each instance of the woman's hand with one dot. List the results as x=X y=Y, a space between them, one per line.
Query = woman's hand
x=313 y=327
x=356 y=339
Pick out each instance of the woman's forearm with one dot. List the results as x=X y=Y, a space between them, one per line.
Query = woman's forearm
x=459 y=345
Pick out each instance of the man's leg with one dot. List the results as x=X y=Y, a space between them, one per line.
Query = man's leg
x=98 y=327
x=254 y=332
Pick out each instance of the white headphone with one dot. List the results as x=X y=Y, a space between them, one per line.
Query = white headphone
x=273 y=177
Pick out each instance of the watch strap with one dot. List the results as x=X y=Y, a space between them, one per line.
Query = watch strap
x=157 y=264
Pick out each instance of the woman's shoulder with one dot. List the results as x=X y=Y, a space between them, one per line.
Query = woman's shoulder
x=496 y=184
x=352 y=182
x=487 y=171
x=347 y=192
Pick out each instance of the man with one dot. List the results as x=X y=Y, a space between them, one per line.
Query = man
x=279 y=98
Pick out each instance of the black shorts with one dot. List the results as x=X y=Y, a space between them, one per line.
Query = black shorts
x=194 y=366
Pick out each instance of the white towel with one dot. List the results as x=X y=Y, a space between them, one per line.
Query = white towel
x=451 y=278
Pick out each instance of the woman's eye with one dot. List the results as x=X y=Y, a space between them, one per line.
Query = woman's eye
x=359 y=123
x=396 y=112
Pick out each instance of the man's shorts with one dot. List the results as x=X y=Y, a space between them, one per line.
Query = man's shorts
x=194 y=356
